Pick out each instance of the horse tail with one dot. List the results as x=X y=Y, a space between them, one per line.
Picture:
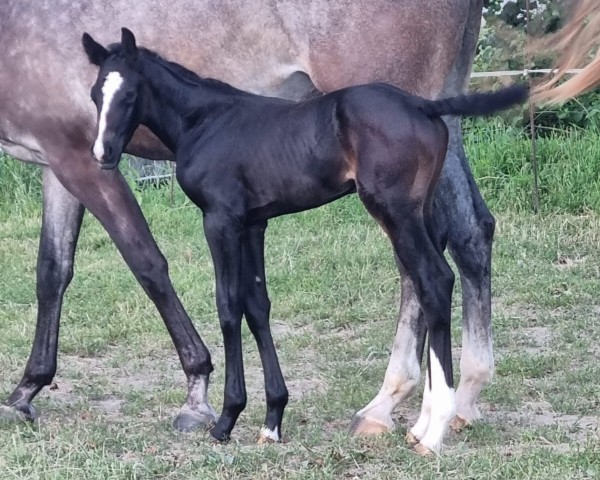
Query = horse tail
x=475 y=104
x=575 y=42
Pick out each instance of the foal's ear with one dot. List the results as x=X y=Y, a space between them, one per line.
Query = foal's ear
x=128 y=42
x=96 y=53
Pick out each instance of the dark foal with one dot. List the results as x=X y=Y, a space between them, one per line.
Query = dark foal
x=244 y=158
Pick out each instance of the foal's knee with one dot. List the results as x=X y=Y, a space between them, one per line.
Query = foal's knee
x=257 y=309
x=230 y=314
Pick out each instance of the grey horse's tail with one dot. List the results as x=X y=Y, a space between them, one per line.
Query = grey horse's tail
x=475 y=104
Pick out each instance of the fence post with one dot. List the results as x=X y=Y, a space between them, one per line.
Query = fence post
x=534 y=164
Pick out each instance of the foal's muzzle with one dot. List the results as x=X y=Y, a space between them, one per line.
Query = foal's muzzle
x=106 y=157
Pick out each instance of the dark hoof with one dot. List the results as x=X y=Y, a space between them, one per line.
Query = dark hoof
x=17 y=413
x=190 y=421
x=218 y=437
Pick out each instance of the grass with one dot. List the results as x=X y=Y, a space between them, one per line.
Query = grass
x=568 y=167
x=334 y=291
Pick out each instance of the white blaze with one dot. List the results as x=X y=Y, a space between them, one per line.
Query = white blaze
x=111 y=86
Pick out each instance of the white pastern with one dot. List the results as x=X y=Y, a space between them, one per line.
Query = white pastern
x=270 y=434
x=443 y=406
x=111 y=86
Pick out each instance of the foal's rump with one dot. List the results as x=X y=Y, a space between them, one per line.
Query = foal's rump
x=393 y=138
x=384 y=107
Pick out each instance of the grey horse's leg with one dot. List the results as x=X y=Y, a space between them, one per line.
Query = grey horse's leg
x=464 y=222
x=61 y=222
x=470 y=229
x=404 y=368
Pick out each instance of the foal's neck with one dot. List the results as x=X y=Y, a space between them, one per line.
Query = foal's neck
x=176 y=93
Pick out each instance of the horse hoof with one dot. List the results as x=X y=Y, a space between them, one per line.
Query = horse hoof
x=365 y=427
x=458 y=424
x=411 y=439
x=217 y=437
x=16 y=414
x=189 y=421
x=268 y=436
x=215 y=441
x=264 y=440
x=422 y=450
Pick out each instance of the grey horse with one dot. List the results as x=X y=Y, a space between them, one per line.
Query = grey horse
x=292 y=49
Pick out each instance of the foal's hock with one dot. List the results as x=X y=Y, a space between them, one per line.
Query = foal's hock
x=244 y=158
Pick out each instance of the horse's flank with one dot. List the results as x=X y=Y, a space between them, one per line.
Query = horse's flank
x=252 y=45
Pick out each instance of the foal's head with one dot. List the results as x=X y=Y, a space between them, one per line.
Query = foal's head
x=116 y=94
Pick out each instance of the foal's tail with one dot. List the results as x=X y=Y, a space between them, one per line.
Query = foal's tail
x=475 y=104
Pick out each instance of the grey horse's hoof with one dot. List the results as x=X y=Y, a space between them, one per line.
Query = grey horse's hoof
x=366 y=427
x=16 y=414
x=189 y=421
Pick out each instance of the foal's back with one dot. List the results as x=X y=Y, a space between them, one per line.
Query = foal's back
x=277 y=157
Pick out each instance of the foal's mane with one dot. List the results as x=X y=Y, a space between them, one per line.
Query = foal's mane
x=181 y=73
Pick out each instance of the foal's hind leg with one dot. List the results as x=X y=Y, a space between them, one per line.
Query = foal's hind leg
x=257 y=308
x=61 y=222
x=433 y=281
x=470 y=229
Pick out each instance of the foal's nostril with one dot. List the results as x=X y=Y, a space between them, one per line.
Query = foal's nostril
x=108 y=151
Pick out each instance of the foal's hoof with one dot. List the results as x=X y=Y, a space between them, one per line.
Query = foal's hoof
x=422 y=450
x=458 y=424
x=411 y=439
x=268 y=436
x=191 y=420
x=365 y=427
x=264 y=440
x=17 y=413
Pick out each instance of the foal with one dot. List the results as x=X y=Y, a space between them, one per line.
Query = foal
x=243 y=158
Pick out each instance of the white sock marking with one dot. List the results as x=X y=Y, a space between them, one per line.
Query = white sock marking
x=443 y=406
x=270 y=434
x=111 y=86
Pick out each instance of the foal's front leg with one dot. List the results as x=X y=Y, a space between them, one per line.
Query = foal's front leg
x=224 y=237
x=257 y=308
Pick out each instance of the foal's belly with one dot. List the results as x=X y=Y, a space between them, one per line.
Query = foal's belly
x=304 y=197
